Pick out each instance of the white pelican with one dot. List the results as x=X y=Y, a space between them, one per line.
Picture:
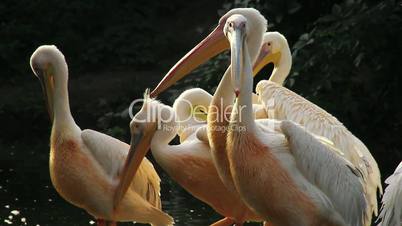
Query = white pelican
x=221 y=105
x=277 y=175
x=278 y=172
x=85 y=164
x=279 y=102
x=188 y=163
x=283 y=104
x=391 y=210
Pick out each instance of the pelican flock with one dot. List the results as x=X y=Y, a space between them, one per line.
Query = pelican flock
x=271 y=156
x=188 y=163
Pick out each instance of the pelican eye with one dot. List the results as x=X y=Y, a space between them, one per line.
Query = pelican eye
x=36 y=69
x=199 y=113
x=135 y=126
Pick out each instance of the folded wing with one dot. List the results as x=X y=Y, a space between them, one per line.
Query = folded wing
x=110 y=153
x=391 y=210
x=321 y=164
x=283 y=104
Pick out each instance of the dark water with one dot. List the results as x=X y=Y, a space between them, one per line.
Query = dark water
x=28 y=198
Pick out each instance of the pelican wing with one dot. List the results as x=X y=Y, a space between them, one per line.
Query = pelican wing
x=333 y=174
x=110 y=154
x=391 y=210
x=283 y=104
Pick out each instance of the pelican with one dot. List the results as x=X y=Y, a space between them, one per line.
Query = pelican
x=283 y=104
x=278 y=102
x=274 y=170
x=188 y=163
x=85 y=164
x=221 y=104
x=391 y=210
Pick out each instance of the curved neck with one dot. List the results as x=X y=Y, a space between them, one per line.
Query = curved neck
x=61 y=106
x=165 y=133
x=191 y=107
x=253 y=45
x=242 y=113
x=282 y=67
x=224 y=95
x=216 y=118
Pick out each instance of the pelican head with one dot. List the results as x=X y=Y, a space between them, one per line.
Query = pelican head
x=235 y=31
x=143 y=126
x=216 y=42
x=46 y=63
x=192 y=104
x=275 y=49
x=245 y=38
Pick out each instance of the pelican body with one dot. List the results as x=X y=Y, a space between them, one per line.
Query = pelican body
x=85 y=164
x=283 y=104
x=188 y=163
x=267 y=158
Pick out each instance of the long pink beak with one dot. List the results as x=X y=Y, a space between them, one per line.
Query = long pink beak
x=212 y=45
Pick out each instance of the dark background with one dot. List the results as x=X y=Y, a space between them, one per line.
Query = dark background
x=346 y=58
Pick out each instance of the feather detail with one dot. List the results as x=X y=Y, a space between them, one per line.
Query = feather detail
x=391 y=209
x=283 y=104
x=110 y=154
x=330 y=172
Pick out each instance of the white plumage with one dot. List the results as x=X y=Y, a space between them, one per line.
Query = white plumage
x=391 y=210
x=188 y=163
x=285 y=173
x=319 y=162
x=292 y=175
x=283 y=104
x=85 y=165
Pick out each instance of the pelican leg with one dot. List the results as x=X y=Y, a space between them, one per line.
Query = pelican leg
x=224 y=222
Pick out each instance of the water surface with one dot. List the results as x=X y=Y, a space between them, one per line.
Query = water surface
x=28 y=198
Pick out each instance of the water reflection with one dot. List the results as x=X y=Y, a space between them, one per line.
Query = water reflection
x=28 y=198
